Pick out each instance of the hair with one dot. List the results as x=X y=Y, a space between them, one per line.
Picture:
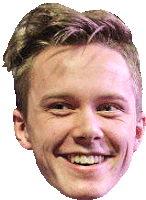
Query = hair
x=54 y=25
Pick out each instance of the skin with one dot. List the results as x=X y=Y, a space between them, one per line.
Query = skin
x=70 y=87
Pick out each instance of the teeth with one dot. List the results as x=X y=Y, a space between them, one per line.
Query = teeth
x=85 y=160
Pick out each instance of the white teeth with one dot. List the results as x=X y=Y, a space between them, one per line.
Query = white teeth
x=85 y=160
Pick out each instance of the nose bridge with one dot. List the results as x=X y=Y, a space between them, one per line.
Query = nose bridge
x=88 y=125
x=88 y=121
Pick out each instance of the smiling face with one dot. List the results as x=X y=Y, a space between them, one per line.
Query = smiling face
x=81 y=121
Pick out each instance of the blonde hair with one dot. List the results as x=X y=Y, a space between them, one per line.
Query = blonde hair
x=53 y=25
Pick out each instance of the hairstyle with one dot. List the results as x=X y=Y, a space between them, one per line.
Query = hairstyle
x=53 y=25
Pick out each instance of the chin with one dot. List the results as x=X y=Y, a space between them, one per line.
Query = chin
x=85 y=193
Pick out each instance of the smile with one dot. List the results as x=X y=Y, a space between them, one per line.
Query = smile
x=85 y=159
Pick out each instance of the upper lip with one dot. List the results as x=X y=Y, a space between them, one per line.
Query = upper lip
x=87 y=154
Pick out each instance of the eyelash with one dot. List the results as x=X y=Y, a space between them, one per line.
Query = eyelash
x=55 y=105
x=57 y=109
x=116 y=107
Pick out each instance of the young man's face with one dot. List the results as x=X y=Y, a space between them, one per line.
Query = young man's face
x=81 y=121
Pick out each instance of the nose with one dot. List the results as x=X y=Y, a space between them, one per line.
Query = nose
x=88 y=128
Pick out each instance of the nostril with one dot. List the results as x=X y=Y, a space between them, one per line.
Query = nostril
x=82 y=138
x=96 y=138
x=85 y=140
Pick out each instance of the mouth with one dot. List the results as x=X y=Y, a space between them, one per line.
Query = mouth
x=86 y=160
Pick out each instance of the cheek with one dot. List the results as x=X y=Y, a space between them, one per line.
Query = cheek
x=46 y=136
x=120 y=136
x=48 y=132
x=120 y=132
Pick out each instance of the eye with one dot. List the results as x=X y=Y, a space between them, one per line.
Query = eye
x=107 y=108
x=59 y=106
x=60 y=109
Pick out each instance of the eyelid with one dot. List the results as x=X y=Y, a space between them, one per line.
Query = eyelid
x=52 y=106
x=116 y=106
x=72 y=106
x=111 y=114
x=60 y=112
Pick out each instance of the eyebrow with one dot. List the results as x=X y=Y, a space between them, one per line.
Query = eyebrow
x=45 y=98
x=113 y=97
x=64 y=96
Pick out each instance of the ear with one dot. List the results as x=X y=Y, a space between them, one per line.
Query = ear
x=21 y=130
x=140 y=128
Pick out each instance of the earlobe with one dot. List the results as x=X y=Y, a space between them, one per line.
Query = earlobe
x=20 y=130
x=140 y=128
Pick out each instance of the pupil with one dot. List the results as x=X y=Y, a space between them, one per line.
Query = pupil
x=107 y=107
x=58 y=106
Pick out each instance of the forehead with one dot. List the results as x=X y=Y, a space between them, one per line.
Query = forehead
x=85 y=66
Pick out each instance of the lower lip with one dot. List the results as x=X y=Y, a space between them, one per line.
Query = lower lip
x=86 y=169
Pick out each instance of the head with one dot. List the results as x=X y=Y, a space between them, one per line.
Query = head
x=79 y=97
